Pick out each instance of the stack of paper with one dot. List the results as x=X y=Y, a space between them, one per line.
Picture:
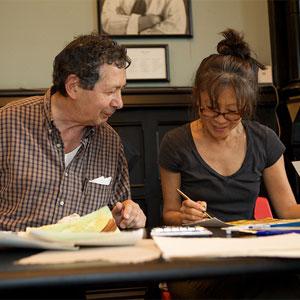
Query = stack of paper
x=285 y=245
x=266 y=227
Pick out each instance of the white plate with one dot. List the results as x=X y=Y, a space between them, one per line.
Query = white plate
x=21 y=240
x=129 y=237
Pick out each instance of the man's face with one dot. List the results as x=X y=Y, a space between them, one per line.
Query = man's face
x=97 y=105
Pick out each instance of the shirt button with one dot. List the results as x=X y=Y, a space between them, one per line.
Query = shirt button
x=61 y=203
x=66 y=174
x=58 y=145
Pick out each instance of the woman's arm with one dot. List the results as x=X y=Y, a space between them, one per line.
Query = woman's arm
x=175 y=212
x=280 y=192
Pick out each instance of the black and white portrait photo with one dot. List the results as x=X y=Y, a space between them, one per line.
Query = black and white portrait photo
x=144 y=17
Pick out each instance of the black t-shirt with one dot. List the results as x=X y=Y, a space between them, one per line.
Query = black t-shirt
x=228 y=197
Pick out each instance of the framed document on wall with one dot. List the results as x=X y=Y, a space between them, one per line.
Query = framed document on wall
x=145 y=18
x=148 y=63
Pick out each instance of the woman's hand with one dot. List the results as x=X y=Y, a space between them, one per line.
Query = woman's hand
x=192 y=211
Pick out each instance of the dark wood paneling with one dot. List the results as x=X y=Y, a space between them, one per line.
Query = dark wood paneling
x=141 y=132
x=147 y=115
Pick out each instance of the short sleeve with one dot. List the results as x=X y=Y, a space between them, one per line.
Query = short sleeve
x=274 y=147
x=169 y=157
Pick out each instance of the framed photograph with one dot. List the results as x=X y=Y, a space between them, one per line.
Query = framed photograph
x=148 y=63
x=145 y=18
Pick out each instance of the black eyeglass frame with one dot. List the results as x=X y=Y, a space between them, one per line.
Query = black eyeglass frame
x=229 y=116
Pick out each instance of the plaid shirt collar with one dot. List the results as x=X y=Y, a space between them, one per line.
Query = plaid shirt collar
x=89 y=132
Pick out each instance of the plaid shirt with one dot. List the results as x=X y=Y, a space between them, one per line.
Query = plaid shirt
x=35 y=186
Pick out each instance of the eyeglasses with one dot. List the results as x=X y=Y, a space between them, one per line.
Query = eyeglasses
x=229 y=116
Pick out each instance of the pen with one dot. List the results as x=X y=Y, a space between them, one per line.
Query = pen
x=188 y=198
x=273 y=232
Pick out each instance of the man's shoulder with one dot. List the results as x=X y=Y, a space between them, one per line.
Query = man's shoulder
x=106 y=130
x=22 y=104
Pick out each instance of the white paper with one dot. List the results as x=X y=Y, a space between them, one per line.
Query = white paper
x=101 y=180
x=296 y=165
x=144 y=250
x=283 y=245
x=146 y=63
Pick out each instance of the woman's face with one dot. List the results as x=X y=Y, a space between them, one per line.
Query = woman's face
x=220 y=121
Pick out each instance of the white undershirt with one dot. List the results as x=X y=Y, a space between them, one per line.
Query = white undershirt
x=69 y=156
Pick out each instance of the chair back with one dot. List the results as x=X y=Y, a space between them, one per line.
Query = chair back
x=262 y=209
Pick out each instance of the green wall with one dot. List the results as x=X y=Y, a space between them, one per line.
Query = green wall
x=32 y=32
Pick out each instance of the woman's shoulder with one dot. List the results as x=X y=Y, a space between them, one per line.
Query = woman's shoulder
x=178 y=134
x=257 y=129
x=175 y=144
x=263 y=136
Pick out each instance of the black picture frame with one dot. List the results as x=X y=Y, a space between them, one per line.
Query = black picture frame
x=118 y=29
x=149 y=62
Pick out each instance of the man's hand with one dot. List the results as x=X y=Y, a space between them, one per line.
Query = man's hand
x=128 y=214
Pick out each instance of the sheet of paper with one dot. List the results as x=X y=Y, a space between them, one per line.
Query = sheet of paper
x=296 y=165
x=213 y=222
x=144 y=250
x=284 y=245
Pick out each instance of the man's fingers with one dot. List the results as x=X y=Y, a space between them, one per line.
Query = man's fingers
x=130 y=222
x=132 y=215
x=127 y=212
x=118 y=207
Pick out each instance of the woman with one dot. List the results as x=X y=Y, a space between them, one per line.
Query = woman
x=221 y=158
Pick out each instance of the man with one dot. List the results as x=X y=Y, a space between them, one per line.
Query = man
x=58 y=156
x=155 y=17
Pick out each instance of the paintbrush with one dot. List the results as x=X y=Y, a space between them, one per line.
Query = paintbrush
x=188 y=198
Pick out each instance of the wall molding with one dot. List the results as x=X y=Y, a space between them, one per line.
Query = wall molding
x=142 y=97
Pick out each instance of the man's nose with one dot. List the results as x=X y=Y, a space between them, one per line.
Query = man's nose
x=117 y=101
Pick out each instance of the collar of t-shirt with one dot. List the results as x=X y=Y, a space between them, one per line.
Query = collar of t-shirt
x=69 y=156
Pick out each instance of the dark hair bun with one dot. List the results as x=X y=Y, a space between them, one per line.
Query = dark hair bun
x=233 y=44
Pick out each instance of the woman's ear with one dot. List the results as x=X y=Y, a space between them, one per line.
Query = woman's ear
x=72 y=86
